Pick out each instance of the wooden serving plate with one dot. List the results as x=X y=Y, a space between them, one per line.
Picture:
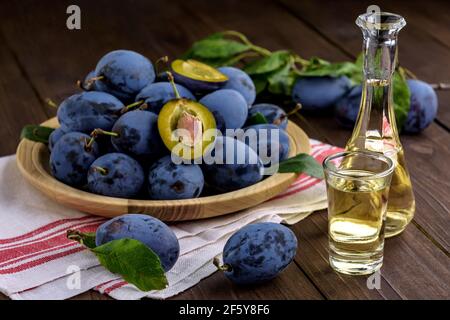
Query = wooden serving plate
x=33 y=159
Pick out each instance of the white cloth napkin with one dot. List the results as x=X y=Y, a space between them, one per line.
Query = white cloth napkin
x=38 y=262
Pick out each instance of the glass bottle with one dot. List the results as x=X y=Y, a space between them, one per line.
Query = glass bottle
x=375 y=128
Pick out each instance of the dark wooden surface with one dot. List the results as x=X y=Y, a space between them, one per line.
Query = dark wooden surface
x=40 y=58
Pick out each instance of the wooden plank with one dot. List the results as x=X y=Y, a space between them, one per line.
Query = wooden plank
x=418 y=50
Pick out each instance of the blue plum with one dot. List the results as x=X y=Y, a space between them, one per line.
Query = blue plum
x=170 y=181
x=86 y=111
x=228 y=107
x=232 y=165
x=150 y=231
x=258 y=252
x=71 y=158
x=347 y=108
x=54 y=137
x=319 y=93
x=273 y=114
x=269 y=141
x=156 y=95
x=125 y=73
x=115 y=175
x=423 y=108
x=241 y=82
x=89 y=83
x=138 y=134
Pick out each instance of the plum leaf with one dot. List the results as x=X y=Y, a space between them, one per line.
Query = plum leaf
x=134 y=261
x=282 y=80
x=402 y=98
x=302 y=163
x=320 y=68
x=273 y=62
x=130 y=258
x=216 y=48
x=258 y=118
x=36 y=133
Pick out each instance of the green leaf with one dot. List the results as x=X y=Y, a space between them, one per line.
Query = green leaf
x=36 y=133
x=260 y=83
x=134 y=261
x=302 y=163
x=268 y=64
x=321 y=68
x=281 y=81
x=402 y=98
x=85 y=238
x=258 y=118
x=217 y=48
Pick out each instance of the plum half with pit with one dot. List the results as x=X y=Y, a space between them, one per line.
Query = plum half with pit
x=198 y=77
x=186 y=127
x=170 y=181
x=115 y=175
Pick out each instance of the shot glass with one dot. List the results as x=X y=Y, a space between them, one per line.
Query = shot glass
x=357 y=188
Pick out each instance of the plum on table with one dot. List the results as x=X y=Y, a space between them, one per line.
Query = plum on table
x=115 y=175
x=123 y=73
x=241 y=82
x=423 y=106
x=156 y=95
x=170 y=181
x=150 y=231
x=86 y=111
x=71 y=158
x=347 y=108
x=258 y=252
x=232 y=165
x=228 y=107
x=271 y=112
x=319 y=93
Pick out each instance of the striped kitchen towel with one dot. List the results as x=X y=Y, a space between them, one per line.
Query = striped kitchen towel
x=38 y=262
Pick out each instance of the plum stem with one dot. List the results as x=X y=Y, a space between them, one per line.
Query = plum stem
x=87 y=84
x=244 y=39
x=130 y=106
x=103 y=171
x=440 y=86
x=162 y=60
x=51 y=103
x=95 y=133
x=172 y=82
x=222 y=267
x=297 y=107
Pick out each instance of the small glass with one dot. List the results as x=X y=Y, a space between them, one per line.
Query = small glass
x=357 y=187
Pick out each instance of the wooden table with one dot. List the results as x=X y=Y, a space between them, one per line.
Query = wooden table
x=40 y=58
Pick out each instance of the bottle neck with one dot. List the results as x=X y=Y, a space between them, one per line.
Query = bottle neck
x=375 y=128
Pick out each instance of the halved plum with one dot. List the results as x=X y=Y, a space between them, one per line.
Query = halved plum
x=187 y=128
x=197 y=76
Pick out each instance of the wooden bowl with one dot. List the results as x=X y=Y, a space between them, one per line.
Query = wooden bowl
x=33 y=159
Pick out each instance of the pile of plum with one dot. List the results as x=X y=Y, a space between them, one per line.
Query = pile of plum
x=323 y=94
x=116 y=137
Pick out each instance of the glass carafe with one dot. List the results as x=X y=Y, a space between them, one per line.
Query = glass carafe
x=375 y=128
